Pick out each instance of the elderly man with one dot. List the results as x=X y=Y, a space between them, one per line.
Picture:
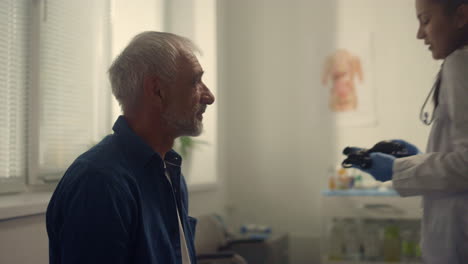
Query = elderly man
x=125 y=200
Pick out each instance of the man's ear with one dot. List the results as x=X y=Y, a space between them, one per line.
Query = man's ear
x=461 y=16
x=152 y=88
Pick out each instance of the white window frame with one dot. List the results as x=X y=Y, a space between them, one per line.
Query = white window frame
x=29 y=194
x=17 y=184
x=102 y=98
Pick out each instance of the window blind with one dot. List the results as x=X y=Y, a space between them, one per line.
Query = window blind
x=70 y=57
x=13 y=89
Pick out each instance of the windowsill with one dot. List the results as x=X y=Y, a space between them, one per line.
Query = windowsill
x=33 y=203
x=23 y=204
x=202 y=187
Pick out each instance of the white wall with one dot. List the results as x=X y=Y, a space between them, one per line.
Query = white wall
x=24 y=241
x=280 y=135
x=279 y=140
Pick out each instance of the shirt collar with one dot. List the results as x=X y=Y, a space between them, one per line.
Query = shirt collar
x=173 y=158
x=137 y=149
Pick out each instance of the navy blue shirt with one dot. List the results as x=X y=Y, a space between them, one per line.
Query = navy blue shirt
x=115 y=205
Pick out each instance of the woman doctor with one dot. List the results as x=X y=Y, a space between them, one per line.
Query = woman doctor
x=440 y=175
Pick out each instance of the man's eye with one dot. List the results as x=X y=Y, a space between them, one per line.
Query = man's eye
x=425 y=21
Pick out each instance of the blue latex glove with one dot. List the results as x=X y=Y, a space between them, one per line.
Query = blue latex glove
x=412 y=149
x=382 y=166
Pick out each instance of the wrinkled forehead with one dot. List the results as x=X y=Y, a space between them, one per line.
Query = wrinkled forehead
x=192 y=59
x=189 y=58
x=187 y=64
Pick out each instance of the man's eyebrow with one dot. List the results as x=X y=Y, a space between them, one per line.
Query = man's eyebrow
x=199 y=74
x=423 y=13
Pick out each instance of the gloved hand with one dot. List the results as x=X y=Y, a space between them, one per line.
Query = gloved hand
x=412 y=149
x=382 y=166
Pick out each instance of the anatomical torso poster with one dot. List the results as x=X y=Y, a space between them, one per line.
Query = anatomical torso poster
x=347 y=75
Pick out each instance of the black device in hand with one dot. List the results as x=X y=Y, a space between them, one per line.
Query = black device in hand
x=361 y=157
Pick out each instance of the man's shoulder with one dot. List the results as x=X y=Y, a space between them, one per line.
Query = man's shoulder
x=92 y=182
x=105 y=153
x=104 y=163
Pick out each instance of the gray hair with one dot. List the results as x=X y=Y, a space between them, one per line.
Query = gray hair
x=149 y=53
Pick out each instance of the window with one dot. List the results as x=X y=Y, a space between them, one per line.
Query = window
x=197 y=21
x=54 y=91
x=56 y=100
x=72 y=53
x=14 y=37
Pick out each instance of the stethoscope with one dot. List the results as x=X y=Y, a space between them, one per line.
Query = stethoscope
x=424 y=115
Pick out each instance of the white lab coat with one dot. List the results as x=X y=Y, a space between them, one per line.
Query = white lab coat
x=441 y=175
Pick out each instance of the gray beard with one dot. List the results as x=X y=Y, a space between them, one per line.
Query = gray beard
x=184 y=127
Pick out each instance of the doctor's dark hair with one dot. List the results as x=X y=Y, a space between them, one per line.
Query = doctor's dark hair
x=450 y=5
x=149 y=53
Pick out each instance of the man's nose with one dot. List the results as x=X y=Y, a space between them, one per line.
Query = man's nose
x=207 y=97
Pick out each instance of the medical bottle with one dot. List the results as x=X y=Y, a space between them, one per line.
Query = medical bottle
x=408 y=246
x=358 y=182
x=371 y=241
x=417 y=250
x=343 y=179
x=352 y=240
x=391 y=243
x=336 y=247
x=332 y=179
